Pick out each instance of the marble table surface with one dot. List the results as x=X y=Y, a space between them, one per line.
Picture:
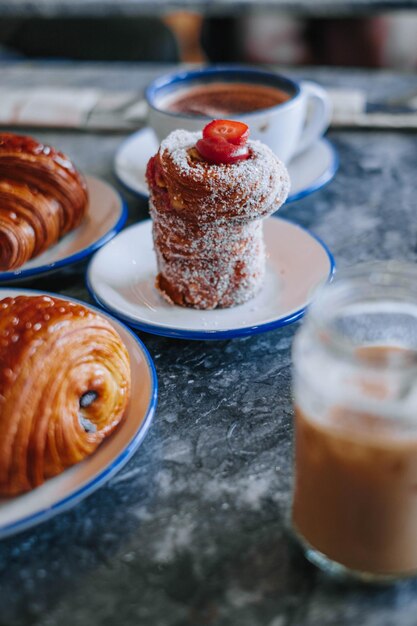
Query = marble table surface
x=50 y=8
x=192 y=532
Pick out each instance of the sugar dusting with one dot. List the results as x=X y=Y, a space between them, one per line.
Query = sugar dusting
x=207 y=225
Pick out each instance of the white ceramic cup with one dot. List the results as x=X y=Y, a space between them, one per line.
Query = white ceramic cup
x=287 y=128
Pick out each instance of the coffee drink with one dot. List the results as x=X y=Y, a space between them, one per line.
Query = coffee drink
x=224 y=99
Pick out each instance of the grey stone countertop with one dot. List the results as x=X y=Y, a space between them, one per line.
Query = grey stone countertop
x=102 y=8
x=192 y=531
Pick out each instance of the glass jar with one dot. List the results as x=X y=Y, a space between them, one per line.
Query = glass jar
x=355 y=392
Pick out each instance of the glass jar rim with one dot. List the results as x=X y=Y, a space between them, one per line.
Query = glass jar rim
x=369 y=282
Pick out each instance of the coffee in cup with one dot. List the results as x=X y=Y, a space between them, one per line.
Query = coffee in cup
x=222 y=99
x=288 y=116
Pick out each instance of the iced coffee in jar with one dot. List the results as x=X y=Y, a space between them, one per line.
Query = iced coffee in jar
x=355 y=392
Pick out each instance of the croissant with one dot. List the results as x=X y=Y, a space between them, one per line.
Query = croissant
x=207 y=227
x=42 y=197
x=64 y=387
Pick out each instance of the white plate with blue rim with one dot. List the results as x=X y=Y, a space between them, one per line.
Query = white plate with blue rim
x=67 y=489
x=106 y=216
x=308 y=171
x=121 y=278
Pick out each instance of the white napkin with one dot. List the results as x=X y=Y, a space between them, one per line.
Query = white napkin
x=47 y=106
x=349 y=110
x=95 y=109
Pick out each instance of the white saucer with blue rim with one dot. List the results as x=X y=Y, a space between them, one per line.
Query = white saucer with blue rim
x=67 y=489
x=106 y=216
x=308 y=171
x=121 y=278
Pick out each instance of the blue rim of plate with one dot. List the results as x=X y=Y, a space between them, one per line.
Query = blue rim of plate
x=320 y=182
x=21 y=274
x=215 y=335
x=92 y=485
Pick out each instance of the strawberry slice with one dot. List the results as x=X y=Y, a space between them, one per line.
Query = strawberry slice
x=235 y=133
x=214 y=151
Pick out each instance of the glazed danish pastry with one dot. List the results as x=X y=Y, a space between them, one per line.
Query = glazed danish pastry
x=64 y=387
x=42 y=197
x=207 y=227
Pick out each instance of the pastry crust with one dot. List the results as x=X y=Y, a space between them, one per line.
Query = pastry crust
x=64 y=387
x=207 y=227
x=42 y=197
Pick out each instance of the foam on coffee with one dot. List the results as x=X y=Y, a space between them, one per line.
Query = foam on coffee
x=221 y=99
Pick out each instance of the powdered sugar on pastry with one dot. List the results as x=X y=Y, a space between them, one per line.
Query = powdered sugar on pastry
x=207 y=225
x=249 y=189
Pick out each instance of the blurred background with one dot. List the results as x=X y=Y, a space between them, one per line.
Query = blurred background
x=259 y=36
